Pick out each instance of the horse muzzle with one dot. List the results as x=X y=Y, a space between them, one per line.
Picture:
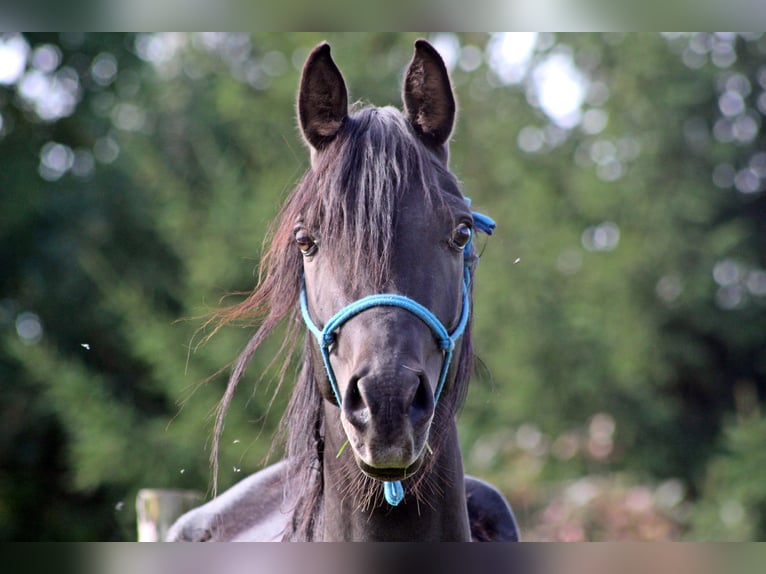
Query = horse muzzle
x=387 y=417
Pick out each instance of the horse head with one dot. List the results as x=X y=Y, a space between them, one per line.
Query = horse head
x=386 y=259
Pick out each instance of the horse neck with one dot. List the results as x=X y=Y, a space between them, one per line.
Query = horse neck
x=440 y=514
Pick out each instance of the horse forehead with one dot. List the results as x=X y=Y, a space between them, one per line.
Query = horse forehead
x=417 y=234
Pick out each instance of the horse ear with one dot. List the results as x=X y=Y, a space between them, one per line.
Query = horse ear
x=428 y=98
x=322 y=98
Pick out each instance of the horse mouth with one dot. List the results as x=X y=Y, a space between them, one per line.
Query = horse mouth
x=389 y=474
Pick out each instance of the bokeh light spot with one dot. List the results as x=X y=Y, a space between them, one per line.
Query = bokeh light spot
x=13 y=58
x=29 y=328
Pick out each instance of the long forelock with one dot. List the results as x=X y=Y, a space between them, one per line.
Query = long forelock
x=359 y=182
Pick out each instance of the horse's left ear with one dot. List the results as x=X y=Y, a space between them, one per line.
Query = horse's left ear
x=428 y=98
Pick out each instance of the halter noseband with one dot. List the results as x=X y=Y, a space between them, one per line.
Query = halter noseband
x=393 y=491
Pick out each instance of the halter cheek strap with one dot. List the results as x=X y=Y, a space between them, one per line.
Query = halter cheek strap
x=393 y=491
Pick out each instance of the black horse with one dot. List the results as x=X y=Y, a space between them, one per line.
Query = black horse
x=373 y=253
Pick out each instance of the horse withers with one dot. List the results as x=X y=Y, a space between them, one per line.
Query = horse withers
x=373 y=256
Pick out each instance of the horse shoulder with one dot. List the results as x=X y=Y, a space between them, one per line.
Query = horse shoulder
x=254 y=509
x=489 y=514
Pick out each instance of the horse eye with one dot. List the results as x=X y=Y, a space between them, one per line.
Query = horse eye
x=305 y=242
x=461 y=235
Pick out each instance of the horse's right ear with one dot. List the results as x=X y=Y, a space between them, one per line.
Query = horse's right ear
x=322 y=98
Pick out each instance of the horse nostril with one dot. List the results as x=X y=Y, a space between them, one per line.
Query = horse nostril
x=354 y=405
x=422 y=404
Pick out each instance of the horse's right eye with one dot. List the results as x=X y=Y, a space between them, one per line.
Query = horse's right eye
x=305 y=242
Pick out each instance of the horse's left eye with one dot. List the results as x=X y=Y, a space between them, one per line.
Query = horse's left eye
x=461 y=235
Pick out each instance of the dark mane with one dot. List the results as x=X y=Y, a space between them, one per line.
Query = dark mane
x=359 y=178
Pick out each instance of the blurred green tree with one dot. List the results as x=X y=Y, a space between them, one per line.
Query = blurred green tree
x=637 y=304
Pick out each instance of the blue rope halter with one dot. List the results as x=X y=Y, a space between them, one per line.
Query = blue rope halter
x=393 y=491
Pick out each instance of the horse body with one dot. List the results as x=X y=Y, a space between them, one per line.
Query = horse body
x=376 y=241
x=257 y=510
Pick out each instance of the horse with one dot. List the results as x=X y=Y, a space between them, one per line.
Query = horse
x=373 y=254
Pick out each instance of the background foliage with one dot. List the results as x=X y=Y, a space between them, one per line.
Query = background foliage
x=621 y=307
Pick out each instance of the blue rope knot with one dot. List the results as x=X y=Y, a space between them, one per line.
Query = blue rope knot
x=447 y=345
x=484 y=223
x=393 y=491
